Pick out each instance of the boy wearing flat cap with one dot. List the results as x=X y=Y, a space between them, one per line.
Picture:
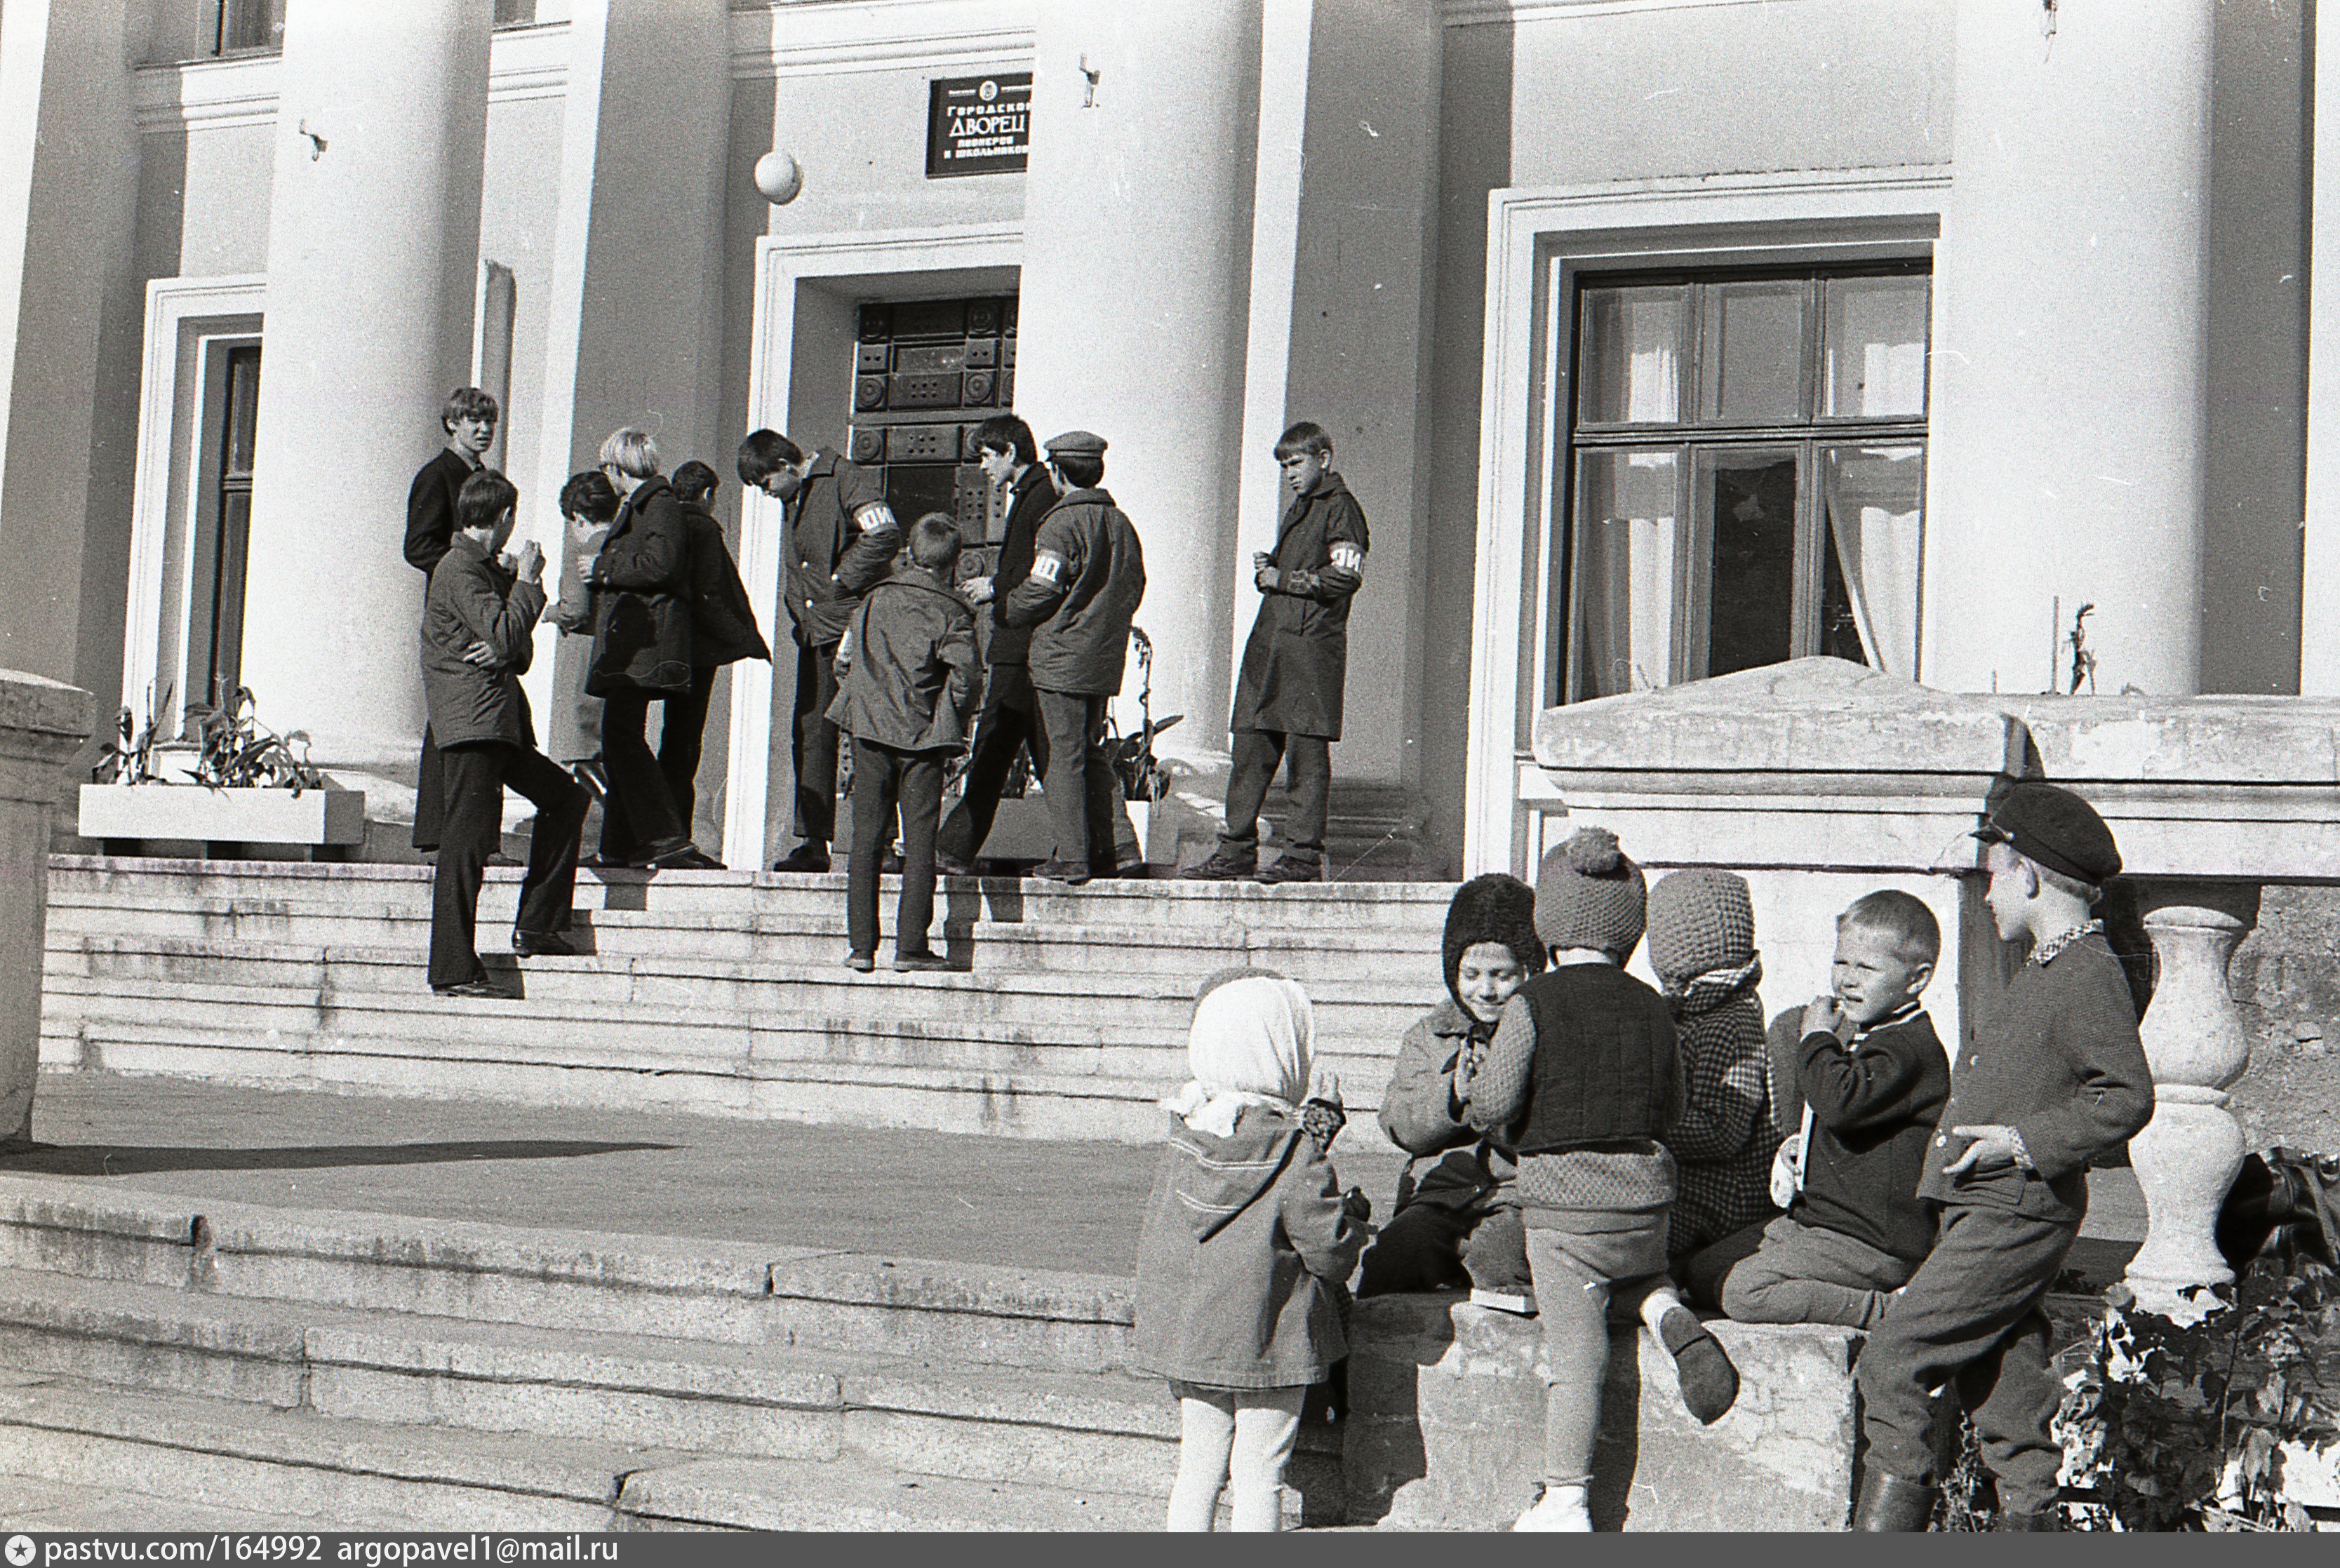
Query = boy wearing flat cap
x=2052 y=1079
x=1088 y=577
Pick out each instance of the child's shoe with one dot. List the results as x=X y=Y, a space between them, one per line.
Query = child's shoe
x=1710 y=1383
x=1225 y=865
x=1519 y=1302
x=1559 y=1511
x=861 y=963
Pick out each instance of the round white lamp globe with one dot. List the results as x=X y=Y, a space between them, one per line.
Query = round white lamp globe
x=778 y=177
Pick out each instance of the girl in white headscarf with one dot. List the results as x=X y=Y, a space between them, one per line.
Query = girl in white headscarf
x=1246 y=1238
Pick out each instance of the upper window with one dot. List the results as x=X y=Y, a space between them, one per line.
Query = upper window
x=1746 y=473
x=257 y=26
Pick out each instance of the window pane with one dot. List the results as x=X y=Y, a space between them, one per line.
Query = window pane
x=1874 y=500
x=1627 y=569
x=251 y=25
x=1753 y=354
x=1876 y=352
x=1743 y=561
x=1630 y=368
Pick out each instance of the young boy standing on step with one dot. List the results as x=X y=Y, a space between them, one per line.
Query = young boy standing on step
x=1287 y=705
x=905 y=679
x=2054 y=1077
x=1584 y=1073
x=1872 y=1079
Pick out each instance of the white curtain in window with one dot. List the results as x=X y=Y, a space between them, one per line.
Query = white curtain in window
x=1875 y=501
x=1629 y=565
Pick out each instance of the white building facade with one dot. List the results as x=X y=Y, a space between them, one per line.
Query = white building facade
x=1659 y=339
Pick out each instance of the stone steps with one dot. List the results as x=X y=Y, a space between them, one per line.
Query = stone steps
x=716 y=992
x=276 y=1362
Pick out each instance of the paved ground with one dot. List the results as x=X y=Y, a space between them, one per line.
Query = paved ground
x=1037 y=1204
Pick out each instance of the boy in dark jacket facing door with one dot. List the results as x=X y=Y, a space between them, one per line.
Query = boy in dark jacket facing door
x=840 y=539
x=904 y=683
x=1872 y=1079
x=486 y=742
x=1088 y=576
x=1287 y=704
x=2054 y=1077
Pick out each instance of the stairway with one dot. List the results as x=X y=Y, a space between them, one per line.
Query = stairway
x=365 y=1371
x=717 y=991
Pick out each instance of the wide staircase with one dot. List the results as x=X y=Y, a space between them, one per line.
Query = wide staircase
x=262 y=1366
x=720 y=992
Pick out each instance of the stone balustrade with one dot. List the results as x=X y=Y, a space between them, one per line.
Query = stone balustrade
x=1819 y=780
x=42 y=724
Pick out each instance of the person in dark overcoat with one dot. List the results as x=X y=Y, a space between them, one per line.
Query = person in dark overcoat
x=1011 y=713
x=468 y=419
x=723 y=631
x=1287 y=706
x=1088 y=576
x=480 y=716
x=841 y=540
x=641 y=652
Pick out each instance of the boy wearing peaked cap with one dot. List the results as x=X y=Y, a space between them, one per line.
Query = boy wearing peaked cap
x=1088 y=574
x=2052 y=1079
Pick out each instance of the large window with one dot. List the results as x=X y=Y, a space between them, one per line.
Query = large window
x=257 y=26
x=1745 y=475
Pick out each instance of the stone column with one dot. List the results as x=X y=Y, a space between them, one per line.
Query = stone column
x=2186 y=1156
x=2319 y=596
x=2066 y=452
x=1135 y=308
x=372 y=260
x=42 y=724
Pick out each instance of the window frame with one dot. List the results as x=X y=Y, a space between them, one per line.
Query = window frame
x=1690 y=437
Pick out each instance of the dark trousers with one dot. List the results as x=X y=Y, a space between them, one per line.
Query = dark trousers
x=645 y=819
x=1011 y=718
x=1430 y=1245
x=812 y=747
x=476 y=777
x=430 y=794
x=885 y=780
x=1971 y=1314
x=681 y=725
x=1078 y=781
x=1809 y=1274
x=1257 y=754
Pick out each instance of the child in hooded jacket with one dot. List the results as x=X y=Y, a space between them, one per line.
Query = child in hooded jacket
x=1701 y=941
x=1247 y=1240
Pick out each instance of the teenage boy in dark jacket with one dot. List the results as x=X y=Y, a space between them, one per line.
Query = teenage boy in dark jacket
x=2054 y=1078
x=841 y=539
x=1287 y=705
x=486 y=740
x=1011 y=713
x=469 y=420
x=1855 y=1229
x=1089 y=575
x=905 y=679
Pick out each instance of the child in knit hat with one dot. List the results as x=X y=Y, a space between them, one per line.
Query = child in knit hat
x=1582 y=1078
x=1702 y=947
x=1458 y=1218
x=1247 y=1241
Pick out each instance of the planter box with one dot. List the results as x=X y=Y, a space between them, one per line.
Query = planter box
x=190 y=811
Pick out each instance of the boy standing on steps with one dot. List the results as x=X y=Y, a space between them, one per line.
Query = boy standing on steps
x=905 y=681
x=2052 y=1079
x=1287 y=704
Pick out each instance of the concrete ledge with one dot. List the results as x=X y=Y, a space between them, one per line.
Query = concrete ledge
x=1445 y=1425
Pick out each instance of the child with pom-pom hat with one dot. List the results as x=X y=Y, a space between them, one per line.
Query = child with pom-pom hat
x=1584 y=1078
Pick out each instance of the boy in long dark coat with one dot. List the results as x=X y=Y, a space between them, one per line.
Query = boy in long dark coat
x=1288 y=700
x=2052 y=1079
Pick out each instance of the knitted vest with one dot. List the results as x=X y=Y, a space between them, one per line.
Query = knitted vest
x=1604 y=1059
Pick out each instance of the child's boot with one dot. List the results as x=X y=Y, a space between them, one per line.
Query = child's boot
x=1710 y=1383
x=1559 y=1511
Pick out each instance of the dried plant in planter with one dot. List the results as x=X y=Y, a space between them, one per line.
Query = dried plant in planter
x=129 y=756
x=1142 y=776
x=236 y=752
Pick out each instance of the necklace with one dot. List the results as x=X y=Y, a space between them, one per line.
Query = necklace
x=2045 y=954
